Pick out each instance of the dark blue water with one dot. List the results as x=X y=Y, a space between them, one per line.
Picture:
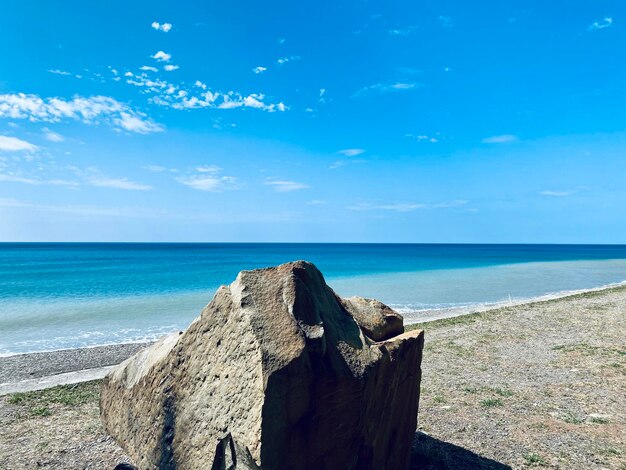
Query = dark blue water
x=57 y=295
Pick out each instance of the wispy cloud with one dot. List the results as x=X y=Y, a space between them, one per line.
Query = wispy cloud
x=380 y=88
x=170 y=68
x=402 y=31
x=13 y=144
x=118 y=183
x=405 y=206
x=348 y=153
x=208 y=178
x=424 y=138
x=351 y=152
x=501 y=139
x=259 y=69
x=147 y=68
x=11 y=177
x=341 y=163
x=551 y=193
x=52 y=136
x=59 y=72
x=396 y=207
x=450 y=204
x=159 y=169
x=162 y=56
x=601 y=24
x=446 y=21
x=284 y=186
x=92 y=110
x=165 y=27
x=284 y=60
x=81 y=210
x=316 y=202
x=133 y=122
x=92 y=176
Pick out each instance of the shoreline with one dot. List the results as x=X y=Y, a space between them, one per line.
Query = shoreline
x=44 y=369
x=452 y=312
x=425 y=316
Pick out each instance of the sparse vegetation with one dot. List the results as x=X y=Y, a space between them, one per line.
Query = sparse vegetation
x=41 y=403
x=439 y=399
x=491 y=402
x=534 y=459
x=571 y=418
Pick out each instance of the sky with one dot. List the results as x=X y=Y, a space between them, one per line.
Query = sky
x=326 y=121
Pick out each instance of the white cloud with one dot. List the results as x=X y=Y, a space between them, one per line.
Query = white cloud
x=134 y=123
x=147 y=68
x=601 y=24
x=316 y=202
x=92 y=110
x=282 y=186
x=500 y=139
x=449 y=204
x=351 y=152
x=556 y=193
x=396 y=207
x=284 y=60
x=208 y=169
x=155 y=168
x=199 y=84
x=259 y=69
x=165 y=27
x=379 y=88
x=405 y=206
x=170 y=68
x=402 y=32
x=162 y=56
x=52 y=136
x=118 y=183
x=13 y=178
x=59 y=72
x=13 y=144
x=209 y=182
x=424 y=138
x=78 y=209
x=94 y=177
x=446 y=21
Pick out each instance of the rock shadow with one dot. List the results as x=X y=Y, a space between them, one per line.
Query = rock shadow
x=429 y=453
x=167 y=461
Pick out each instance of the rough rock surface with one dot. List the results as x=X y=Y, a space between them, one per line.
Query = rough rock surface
x=377 y=321
x=275 y=372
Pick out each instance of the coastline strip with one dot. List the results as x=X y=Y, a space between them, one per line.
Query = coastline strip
x=68 y=378
x=40 y=370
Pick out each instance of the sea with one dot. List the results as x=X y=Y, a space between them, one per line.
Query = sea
x=72 y=295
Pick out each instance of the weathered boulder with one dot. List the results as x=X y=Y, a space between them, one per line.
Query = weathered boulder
x=377 y=321
x=276 y=373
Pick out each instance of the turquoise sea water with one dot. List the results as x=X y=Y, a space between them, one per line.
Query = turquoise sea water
x=56 y=296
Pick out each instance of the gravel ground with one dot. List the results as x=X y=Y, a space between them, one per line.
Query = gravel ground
x=35 y=365
x=535 y=385
x=540 y=384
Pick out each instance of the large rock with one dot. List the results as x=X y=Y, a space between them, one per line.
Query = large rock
x=276 y=373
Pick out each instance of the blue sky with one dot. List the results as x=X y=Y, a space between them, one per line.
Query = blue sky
x=429 y=121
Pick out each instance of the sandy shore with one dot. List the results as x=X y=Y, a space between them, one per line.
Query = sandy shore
x=539 y=384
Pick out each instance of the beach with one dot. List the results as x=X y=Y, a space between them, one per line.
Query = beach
x=539 y=384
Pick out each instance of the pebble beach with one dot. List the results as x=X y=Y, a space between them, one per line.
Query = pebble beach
x=539 y=384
